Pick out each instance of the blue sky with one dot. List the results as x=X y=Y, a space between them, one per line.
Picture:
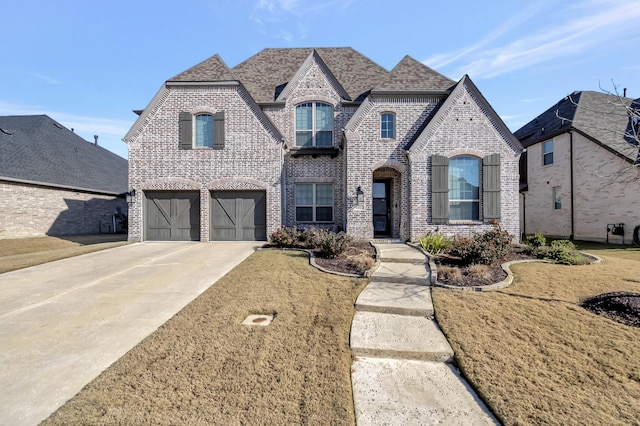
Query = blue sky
x=89 y=64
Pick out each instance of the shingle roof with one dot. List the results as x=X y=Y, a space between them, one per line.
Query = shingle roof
x=601 y=116
x=212 y=69
x=410 y=74
x=37 y=149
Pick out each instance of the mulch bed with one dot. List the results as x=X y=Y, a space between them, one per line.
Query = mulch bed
x=494 y=274
x=345 y=263
x=623 y=307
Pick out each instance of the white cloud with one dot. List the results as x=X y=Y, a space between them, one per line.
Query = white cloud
x=591 y=27
x=45 y=78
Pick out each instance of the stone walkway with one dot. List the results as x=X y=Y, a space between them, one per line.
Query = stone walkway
x=401 y=373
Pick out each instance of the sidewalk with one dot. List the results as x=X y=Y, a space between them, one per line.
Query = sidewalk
x=402 y=374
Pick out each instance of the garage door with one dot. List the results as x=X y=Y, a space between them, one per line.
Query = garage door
x=173 y=216
x=238 y=216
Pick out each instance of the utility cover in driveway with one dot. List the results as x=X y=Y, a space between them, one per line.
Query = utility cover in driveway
x=238 y=216
x=173 y=216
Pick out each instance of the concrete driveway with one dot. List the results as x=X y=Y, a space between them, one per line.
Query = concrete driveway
x=63 y=323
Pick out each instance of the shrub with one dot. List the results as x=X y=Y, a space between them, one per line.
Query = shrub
x=560 y=251
x=481 y=272
x=330 y=244
x=535 y=241
x=450 y=273
x=435 y=242
x=484 y=248
x=285 y=237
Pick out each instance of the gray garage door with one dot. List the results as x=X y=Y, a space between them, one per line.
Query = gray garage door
x=173 y=216
x=238 y=216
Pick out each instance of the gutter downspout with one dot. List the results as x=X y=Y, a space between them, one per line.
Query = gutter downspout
x=571 y=185
x=523 y=231
x=283 y=183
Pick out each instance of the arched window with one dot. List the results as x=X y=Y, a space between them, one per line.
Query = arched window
x=464 y=188
x=387 y=125
x=314 y=124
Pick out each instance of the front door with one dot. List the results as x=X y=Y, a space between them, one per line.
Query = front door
x=381 y=208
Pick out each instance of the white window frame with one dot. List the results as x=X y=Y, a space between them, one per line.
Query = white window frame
x=314 y=202
x=546 y=153
x=314 y=130
x=382 y=122
x=475 y=201
x=195 y=131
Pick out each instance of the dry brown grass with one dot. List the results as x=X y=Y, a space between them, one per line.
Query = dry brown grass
x=478 y=271
x=452 y=273
x=536 y=356
x=203 y=367
x=18 y=253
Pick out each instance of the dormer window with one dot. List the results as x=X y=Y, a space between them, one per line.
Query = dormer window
x=387 y=125
x=314 y=125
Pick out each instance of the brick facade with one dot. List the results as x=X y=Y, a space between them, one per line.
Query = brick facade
x=254 y=157
x=34 y=210
x=605 y=190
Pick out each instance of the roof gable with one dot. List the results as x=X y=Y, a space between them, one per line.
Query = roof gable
x=443 y=109
x=411 y=75
x=37 y=149
x=313 y=57
x=265 y=74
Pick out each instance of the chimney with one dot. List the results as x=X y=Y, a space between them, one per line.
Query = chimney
x=624 y=92
x=95 y=137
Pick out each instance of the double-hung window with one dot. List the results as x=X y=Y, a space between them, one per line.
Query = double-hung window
x=464 y=188
x=314 y=202
x=547 y=153
x=314 y=125
x=387 y=125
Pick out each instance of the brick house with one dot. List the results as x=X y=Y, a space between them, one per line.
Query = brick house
x=53 y=182
x=580 y=173
x=322 y=137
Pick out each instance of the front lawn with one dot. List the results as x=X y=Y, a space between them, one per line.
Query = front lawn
x=203 y=367
x=536 y=356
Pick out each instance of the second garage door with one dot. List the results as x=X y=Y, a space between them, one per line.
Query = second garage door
x=238 y=216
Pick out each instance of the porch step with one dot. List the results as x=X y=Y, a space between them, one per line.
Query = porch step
x=399 y=253
x=396 y=298
x=406 y=273
x=381 y=335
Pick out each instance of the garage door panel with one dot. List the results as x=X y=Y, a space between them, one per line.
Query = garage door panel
x=173 y=216
x=238 y=215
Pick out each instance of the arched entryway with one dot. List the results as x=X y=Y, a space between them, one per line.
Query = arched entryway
x=386 y=202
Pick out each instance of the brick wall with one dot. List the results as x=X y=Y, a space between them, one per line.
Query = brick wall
x=605 y=191
x=251 y=158
x=31 y=210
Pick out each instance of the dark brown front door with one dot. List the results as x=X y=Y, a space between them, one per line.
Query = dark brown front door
x=381 y=208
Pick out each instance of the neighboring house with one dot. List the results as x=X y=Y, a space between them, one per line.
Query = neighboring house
x=54 y=182
x=580 y=173
x=319 y=137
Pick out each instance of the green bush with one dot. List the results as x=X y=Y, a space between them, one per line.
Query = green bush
x=483 y=248
x=535 y=241
x=560 y=251
x=435 y=242
x=285 y=237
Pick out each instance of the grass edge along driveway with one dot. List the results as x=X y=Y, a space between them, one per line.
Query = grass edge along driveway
x=536 y=357
x=204 y=367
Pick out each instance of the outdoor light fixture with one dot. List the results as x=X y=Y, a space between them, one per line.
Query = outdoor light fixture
x=360 y=195
x=130 y=195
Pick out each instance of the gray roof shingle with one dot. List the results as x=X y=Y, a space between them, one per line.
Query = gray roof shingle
x=412 y=75
x=601 y=116
x=37 y=149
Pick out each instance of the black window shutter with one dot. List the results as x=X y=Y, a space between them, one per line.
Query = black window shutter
x=186 y=141
x=218 y=130
x=439 y=189
x=491 y=187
